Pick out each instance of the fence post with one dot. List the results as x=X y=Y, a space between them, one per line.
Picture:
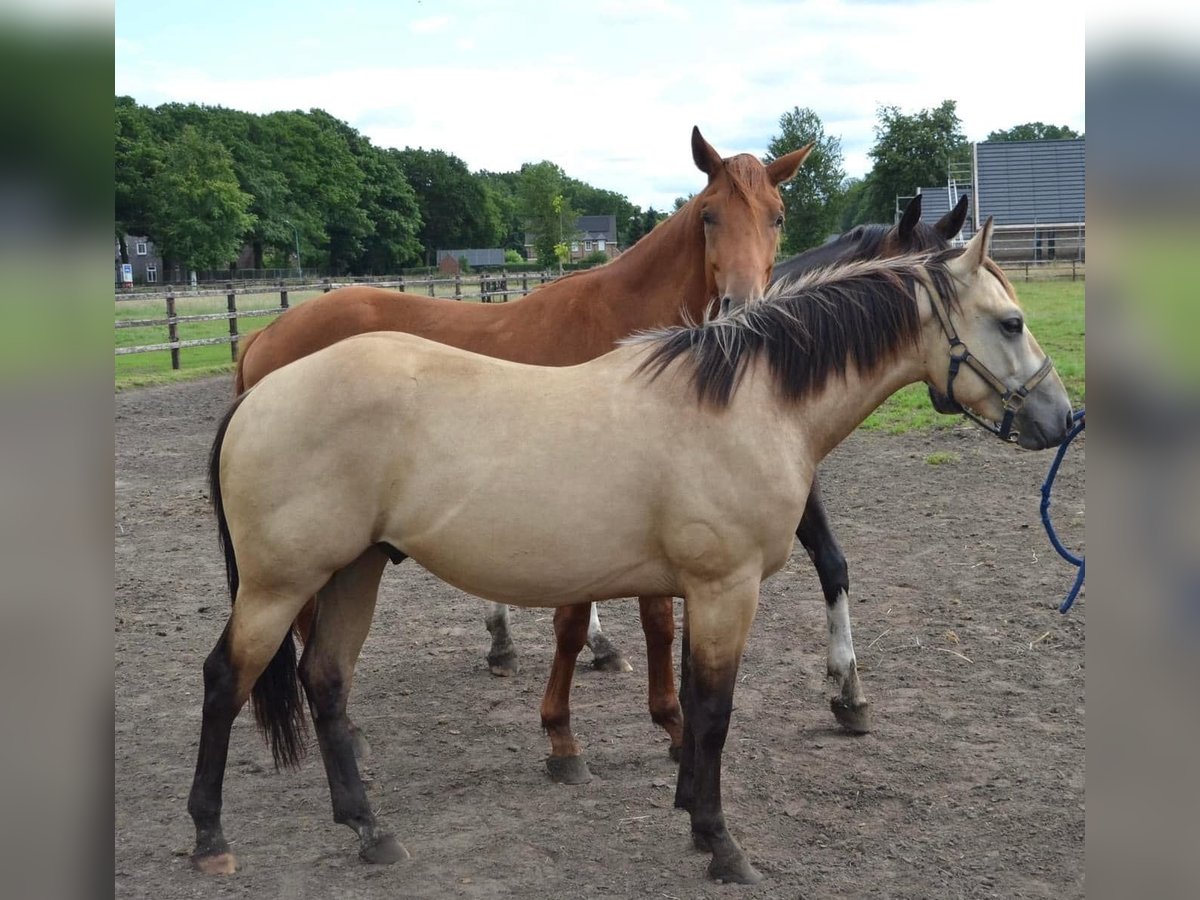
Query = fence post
x=231 y=305
x=283 y=297
x=172 y=328
x=402 y=284
x=429 y=278
x=1072 y=270
x=457 y=285
x=504 y=284
x=524 y=284
x=328 y=286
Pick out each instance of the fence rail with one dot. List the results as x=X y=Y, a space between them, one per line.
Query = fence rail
x=486 y=288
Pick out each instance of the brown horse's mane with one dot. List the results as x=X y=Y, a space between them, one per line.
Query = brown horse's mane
x=809 y=329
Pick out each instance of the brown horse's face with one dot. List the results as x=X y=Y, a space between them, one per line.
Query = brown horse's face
x=741 y=213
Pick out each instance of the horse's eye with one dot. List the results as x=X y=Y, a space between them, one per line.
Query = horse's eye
x=1012 y=325
x=707 y=218
x=779 y=221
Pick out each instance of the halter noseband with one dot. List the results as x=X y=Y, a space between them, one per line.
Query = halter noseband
x=1012 y=400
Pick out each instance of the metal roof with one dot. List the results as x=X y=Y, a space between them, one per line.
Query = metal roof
x=1029 y=182
x=490 y=257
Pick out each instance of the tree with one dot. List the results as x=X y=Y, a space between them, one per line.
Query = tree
x=1034 y=131
x=549 y=217
x=812 y=199
x=911 y=151
x=202 y=215
x=457 y=209
x=139 y=159
x=854 y=195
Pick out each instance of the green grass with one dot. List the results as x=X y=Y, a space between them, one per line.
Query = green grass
x=1054 y=312
x=141 y=369
x=942 y=457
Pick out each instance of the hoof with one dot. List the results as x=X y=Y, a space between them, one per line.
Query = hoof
x=675 y=752
x=855 y=718
x=734 y=870
x=504 y=665
x=214 y=863
x=360 y=745
x=568 y=770
x=383 y=851
x=611 y=662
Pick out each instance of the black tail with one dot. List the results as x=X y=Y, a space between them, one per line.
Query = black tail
x=278 y=705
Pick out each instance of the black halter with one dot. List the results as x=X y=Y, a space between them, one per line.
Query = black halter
x=1012 y=399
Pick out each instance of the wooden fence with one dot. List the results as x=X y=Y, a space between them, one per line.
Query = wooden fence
x=488 y=288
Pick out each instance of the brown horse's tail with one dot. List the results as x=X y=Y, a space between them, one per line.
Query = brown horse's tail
x=278 y=706
x=239 y=378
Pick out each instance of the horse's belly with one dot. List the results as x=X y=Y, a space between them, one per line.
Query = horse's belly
x=527 y=575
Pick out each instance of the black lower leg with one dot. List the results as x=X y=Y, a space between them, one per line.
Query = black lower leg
x=709 y=710
x=220 y=709
x=327 y=701
x=817 y=538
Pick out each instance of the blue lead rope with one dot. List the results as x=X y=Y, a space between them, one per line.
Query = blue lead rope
x=1046 y=485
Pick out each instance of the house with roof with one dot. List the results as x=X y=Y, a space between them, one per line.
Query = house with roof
x=1034 y=191
x=592 y=234
x=145 y=264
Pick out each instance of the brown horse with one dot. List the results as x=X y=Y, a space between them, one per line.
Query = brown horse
x=365 y=451
x=719 y=247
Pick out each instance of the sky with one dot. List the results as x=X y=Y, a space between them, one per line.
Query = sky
x=610 y=90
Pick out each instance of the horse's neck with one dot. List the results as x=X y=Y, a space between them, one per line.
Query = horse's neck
x=656 y=282
x=826 y=417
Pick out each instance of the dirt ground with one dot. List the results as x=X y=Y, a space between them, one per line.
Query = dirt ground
x=971 y=785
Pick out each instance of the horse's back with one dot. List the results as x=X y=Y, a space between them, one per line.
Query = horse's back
x=343 y=313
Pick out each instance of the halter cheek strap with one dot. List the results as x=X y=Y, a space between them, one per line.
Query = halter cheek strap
x=1011 y=399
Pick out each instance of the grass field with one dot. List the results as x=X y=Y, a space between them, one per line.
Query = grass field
x=1054 y=310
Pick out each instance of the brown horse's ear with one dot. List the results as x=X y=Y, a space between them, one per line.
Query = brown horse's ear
x=784 y=168
x=952 y=222
x=707 y=159
x=974 y=253
x=910 y=219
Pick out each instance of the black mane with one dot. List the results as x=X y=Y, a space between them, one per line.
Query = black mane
x=809 y=329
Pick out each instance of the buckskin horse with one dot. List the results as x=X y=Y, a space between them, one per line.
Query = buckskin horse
x=362 y=452
x=719 y=247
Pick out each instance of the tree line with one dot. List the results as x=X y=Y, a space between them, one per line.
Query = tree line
x=204 y=182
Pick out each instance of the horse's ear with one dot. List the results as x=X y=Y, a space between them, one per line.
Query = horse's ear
x=975 y=252
x=785 y=168
x=707 y=159
x=910 y=219
x=952 y=222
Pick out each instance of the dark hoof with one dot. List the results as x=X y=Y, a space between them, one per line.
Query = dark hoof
x=733 y=870
x=568 y=769
x=504 y=665
x=383 y=851
x=362 y=749
x=855 y=718
x=675 y=752
x=222 y=863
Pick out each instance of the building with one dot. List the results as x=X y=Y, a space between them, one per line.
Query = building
x=146 y=266
x=592 y=234
x=1034 y=191
x=449 y=260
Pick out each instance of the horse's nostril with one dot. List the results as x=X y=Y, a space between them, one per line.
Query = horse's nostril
x=726 y=302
